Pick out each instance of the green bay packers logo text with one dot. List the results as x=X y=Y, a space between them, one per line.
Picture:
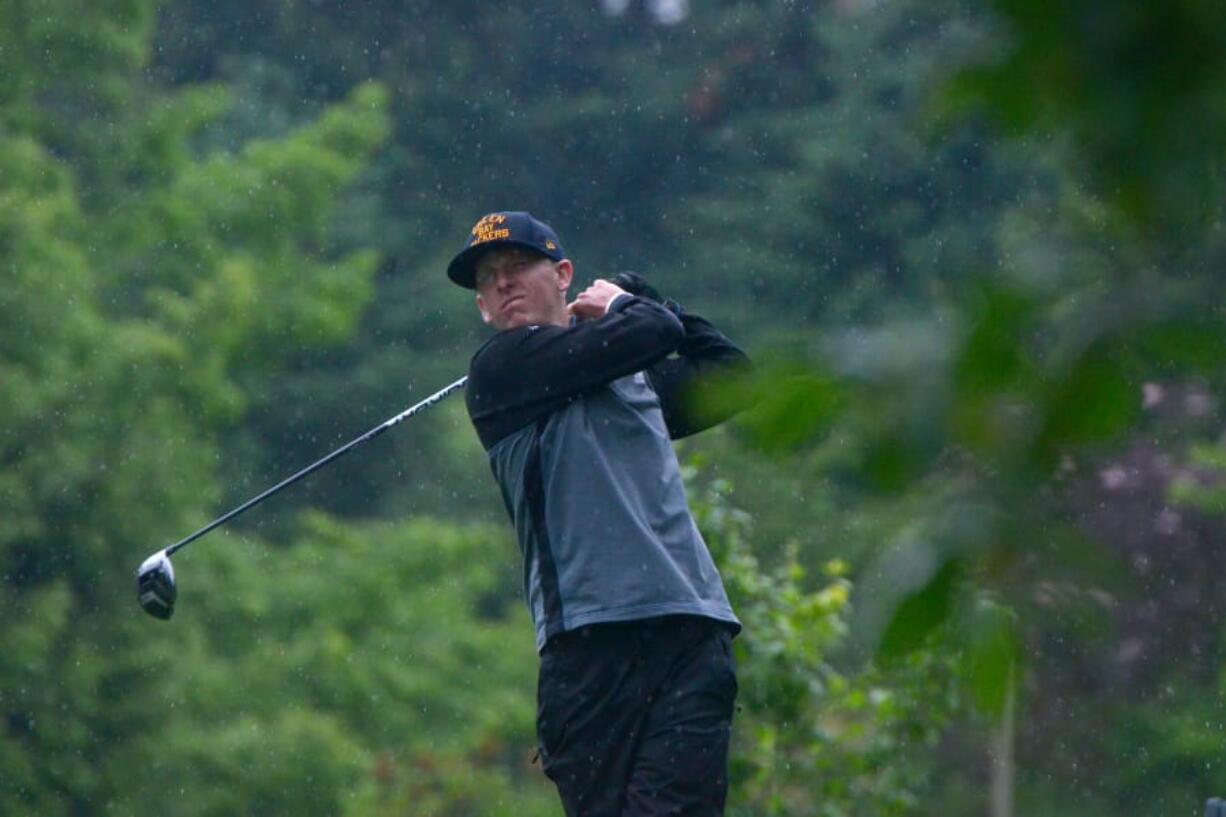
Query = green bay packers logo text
x=490 y=228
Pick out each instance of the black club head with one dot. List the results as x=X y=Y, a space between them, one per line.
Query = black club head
x=155 y=586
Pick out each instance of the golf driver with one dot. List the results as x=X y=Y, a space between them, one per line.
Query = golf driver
x=155 y=578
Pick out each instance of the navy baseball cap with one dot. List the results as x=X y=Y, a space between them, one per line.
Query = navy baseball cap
x=512 y=228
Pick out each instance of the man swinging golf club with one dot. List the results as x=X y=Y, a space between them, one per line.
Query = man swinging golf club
x=575 y=405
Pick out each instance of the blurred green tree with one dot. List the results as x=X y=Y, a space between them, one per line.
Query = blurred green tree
x=977 y=427
x=812 y=737
x=129 y=309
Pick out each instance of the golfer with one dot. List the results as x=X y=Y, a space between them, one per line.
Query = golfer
x=575 y=404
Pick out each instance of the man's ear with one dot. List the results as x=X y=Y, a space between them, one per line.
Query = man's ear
x=485 y=315
x=566 y=271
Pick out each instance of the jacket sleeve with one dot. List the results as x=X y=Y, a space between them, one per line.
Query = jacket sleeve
x=682 y=380
x=523 y=374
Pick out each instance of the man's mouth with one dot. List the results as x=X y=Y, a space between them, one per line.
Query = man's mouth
x=511 y=302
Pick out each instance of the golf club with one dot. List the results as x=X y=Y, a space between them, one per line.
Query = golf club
x=155 y=578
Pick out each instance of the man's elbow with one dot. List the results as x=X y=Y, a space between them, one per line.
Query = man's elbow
x=671 y=330
x=733 y=360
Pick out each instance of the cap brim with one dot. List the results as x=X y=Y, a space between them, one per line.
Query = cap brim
x=463 y=268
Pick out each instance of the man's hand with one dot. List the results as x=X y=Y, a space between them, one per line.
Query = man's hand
x=636 y=284
x=594 y=301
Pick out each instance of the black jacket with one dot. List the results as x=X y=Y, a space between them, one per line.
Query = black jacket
x=577 y=423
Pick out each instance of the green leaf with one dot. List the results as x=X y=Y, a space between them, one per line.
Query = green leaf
x=992 y=357
x=893 y=461
x=790 y=411
x=920 y=613
x=992 y=654
x=904 y=597
x=1193 y=342
x=1095 y=400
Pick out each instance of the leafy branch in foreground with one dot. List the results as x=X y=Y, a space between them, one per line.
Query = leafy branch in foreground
x=810 y=736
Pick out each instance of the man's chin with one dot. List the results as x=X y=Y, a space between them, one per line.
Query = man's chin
x=513 y=321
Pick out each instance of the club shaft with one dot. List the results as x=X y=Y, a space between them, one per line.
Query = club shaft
x=344 y=449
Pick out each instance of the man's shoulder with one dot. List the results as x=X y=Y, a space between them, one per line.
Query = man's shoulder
x=508 y=382
x=502 y=347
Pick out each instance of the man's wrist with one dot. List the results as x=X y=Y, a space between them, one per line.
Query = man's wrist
x=609 y=306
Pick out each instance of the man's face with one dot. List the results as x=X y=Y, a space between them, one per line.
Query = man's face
x=518 y=287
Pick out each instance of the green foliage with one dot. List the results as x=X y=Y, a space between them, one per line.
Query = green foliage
x=338 y=674
x=977 y=428
x=294 y=762
x=80 y=55
x=919 y=614
x=801 y=407
x=1138 y=88
x=222 y=231
x=1169 y=751
x=107 y=444
x=256 y=222
x=1202 y=484
x=991 y=654
x=829 y=203
x=811 y=737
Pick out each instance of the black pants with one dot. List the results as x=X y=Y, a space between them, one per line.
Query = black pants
x=634 y=718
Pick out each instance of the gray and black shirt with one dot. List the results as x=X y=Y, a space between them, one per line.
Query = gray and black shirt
x=578 y=422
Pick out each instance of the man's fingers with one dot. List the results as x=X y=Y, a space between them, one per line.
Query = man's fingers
x=594 y=301
x=585 y=307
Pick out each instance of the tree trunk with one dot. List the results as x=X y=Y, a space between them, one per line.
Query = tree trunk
x=1002 y=755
